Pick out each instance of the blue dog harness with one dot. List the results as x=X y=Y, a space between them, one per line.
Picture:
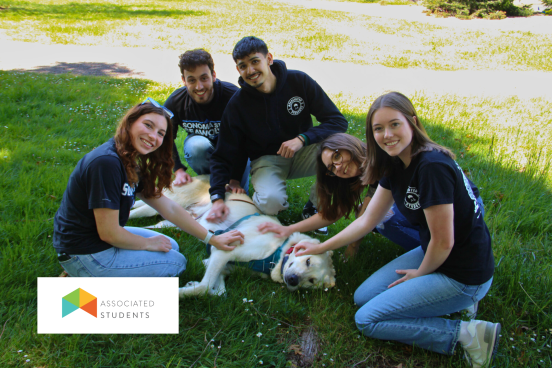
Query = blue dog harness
x=265 y=265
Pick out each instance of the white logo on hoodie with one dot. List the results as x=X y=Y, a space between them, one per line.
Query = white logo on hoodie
x=295 y=105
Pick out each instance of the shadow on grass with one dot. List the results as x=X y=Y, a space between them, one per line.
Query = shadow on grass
x=89 y=11
x=84 y=68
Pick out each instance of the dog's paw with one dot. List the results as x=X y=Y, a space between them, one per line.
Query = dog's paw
x=217 y=291
x=191 y=288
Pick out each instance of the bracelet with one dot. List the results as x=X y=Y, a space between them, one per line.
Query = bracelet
x=301 y=139
x=208 y=237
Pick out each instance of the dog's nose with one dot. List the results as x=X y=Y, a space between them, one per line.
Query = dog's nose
x=292 y=280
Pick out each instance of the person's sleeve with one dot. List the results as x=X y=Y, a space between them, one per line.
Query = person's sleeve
x=324 y=110
x=384 y=183
x=174 y=121
x=436 y=184
x=229 y=90
x=229 y=158
x=371 y=190
x=104 y=178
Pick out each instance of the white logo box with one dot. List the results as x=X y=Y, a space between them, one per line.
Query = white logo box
x=125 y=305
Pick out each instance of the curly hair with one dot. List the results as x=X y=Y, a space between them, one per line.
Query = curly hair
x=191 y=59
x=378 y=163
x=338 y=197
x=154 y=170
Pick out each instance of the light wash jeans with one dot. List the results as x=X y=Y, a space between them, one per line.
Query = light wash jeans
x=269 y=174
x=198 y=151
x=409 y=312
x=397 y=228
x=117 y=262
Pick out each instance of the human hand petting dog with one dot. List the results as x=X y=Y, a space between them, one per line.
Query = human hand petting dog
x=221 y=241
x=304 y=248
x=289 y=148
x=408 y=274
x=219 y=212
x=234 y=187
x=158 y=243
x=181 y=178
x=270 y=227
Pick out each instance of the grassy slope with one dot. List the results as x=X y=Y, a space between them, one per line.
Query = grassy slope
x=290 y=31
x=49 y=122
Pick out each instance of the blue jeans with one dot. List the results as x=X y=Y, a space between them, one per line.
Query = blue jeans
x=409 y=312
x=117 y=262
x=198 y=151
x=401 y=232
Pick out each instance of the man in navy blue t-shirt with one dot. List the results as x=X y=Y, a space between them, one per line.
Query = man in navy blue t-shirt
x=198 y=108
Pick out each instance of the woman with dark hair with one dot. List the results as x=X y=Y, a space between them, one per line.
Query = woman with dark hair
x=452 y=269
x=338 y=169
x=90 y=235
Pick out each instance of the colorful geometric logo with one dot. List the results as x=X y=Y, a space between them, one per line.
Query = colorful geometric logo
x=79 y=299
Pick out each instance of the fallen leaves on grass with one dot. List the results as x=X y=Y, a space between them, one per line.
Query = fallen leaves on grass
x=296 y=349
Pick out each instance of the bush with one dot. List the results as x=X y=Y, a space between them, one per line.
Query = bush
x=466 y=9
x=547 y=4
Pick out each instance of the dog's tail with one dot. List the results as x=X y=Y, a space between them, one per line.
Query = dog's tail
x=142 y=210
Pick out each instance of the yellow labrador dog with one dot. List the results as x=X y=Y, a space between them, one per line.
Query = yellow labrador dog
x=263 y=253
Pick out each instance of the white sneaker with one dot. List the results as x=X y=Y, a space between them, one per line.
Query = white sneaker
x=479 y=353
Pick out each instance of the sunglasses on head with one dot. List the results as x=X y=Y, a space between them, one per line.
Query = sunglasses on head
x=157 y=104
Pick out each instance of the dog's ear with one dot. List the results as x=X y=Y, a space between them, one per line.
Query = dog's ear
x=330 y=261
x=329 y=281
x=309 y=240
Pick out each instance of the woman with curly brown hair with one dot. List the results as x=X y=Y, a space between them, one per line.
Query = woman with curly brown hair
x=90 y=235
x=338 y=170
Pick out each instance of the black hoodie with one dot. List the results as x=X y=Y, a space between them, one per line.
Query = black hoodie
x=198 y=119
x=256 y=124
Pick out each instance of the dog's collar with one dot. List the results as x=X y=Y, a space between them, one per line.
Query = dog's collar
x=286 y=257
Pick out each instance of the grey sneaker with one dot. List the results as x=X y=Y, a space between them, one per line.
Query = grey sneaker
x=479 y=353
x=308 y=211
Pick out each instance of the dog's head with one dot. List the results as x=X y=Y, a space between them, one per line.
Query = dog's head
x=312 y=271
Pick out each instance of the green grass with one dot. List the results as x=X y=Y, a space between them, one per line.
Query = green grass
x=290 y=31
x=50 y=121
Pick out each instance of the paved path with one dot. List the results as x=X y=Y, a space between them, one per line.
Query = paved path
x=359 y=80
x=535 y=24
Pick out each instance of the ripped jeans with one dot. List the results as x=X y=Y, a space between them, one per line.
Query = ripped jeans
x=409 y=312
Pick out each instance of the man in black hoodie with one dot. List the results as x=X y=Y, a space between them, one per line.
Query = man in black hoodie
x=198 y=108
x=269 y=121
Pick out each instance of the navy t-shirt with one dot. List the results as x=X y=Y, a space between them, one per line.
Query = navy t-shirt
x=431 y=179
x=98 y=181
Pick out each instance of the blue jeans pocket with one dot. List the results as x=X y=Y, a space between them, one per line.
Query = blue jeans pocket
x=105 y=258
x=75 y=267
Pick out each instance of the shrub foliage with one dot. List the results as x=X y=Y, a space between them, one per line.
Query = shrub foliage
x=466 y=9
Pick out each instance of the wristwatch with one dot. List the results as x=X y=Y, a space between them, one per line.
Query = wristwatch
x=215 y=197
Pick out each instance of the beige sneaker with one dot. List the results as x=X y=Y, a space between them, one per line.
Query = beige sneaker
x=479 y=353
